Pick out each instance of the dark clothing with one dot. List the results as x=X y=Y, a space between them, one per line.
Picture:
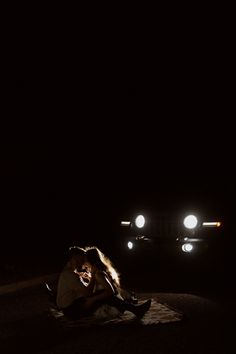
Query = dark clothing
x=76 y=309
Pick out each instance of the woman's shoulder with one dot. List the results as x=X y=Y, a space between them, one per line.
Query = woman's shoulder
x=101 y=273
x=104 y=274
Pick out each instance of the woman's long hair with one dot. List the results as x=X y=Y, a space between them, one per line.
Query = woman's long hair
x=103 y=263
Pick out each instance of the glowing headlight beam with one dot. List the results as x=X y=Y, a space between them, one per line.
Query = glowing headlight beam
x=212 y=224
x=125 y=223
x=130 y=245
x=140 y=221
x=190 y=222
x=187 y=247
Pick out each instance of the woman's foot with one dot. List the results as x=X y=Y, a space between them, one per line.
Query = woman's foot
x=141 y=309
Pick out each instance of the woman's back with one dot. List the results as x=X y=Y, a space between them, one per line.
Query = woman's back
x=103 y=280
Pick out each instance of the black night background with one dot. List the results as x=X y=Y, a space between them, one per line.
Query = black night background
x=128 y=122
x=103 y=120
x=99 y=152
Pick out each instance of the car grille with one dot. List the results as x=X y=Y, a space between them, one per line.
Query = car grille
x=163 y=229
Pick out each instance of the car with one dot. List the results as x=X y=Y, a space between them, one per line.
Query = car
x=176 y=234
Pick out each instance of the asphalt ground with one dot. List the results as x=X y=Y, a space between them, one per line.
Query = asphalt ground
x=26 y=325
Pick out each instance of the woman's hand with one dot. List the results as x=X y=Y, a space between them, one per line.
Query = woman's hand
x=86 y=275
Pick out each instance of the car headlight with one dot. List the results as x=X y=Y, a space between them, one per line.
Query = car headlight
x=187 y=247
x=190 y=222
x=140 y=221
x=130 y=245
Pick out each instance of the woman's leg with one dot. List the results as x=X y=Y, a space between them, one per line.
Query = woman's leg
x=137 y=309
x=76 y=309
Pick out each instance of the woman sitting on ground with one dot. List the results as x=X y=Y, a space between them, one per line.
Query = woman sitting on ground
x=107 y=281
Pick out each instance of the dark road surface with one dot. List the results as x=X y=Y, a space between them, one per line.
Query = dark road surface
x=207 y=327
